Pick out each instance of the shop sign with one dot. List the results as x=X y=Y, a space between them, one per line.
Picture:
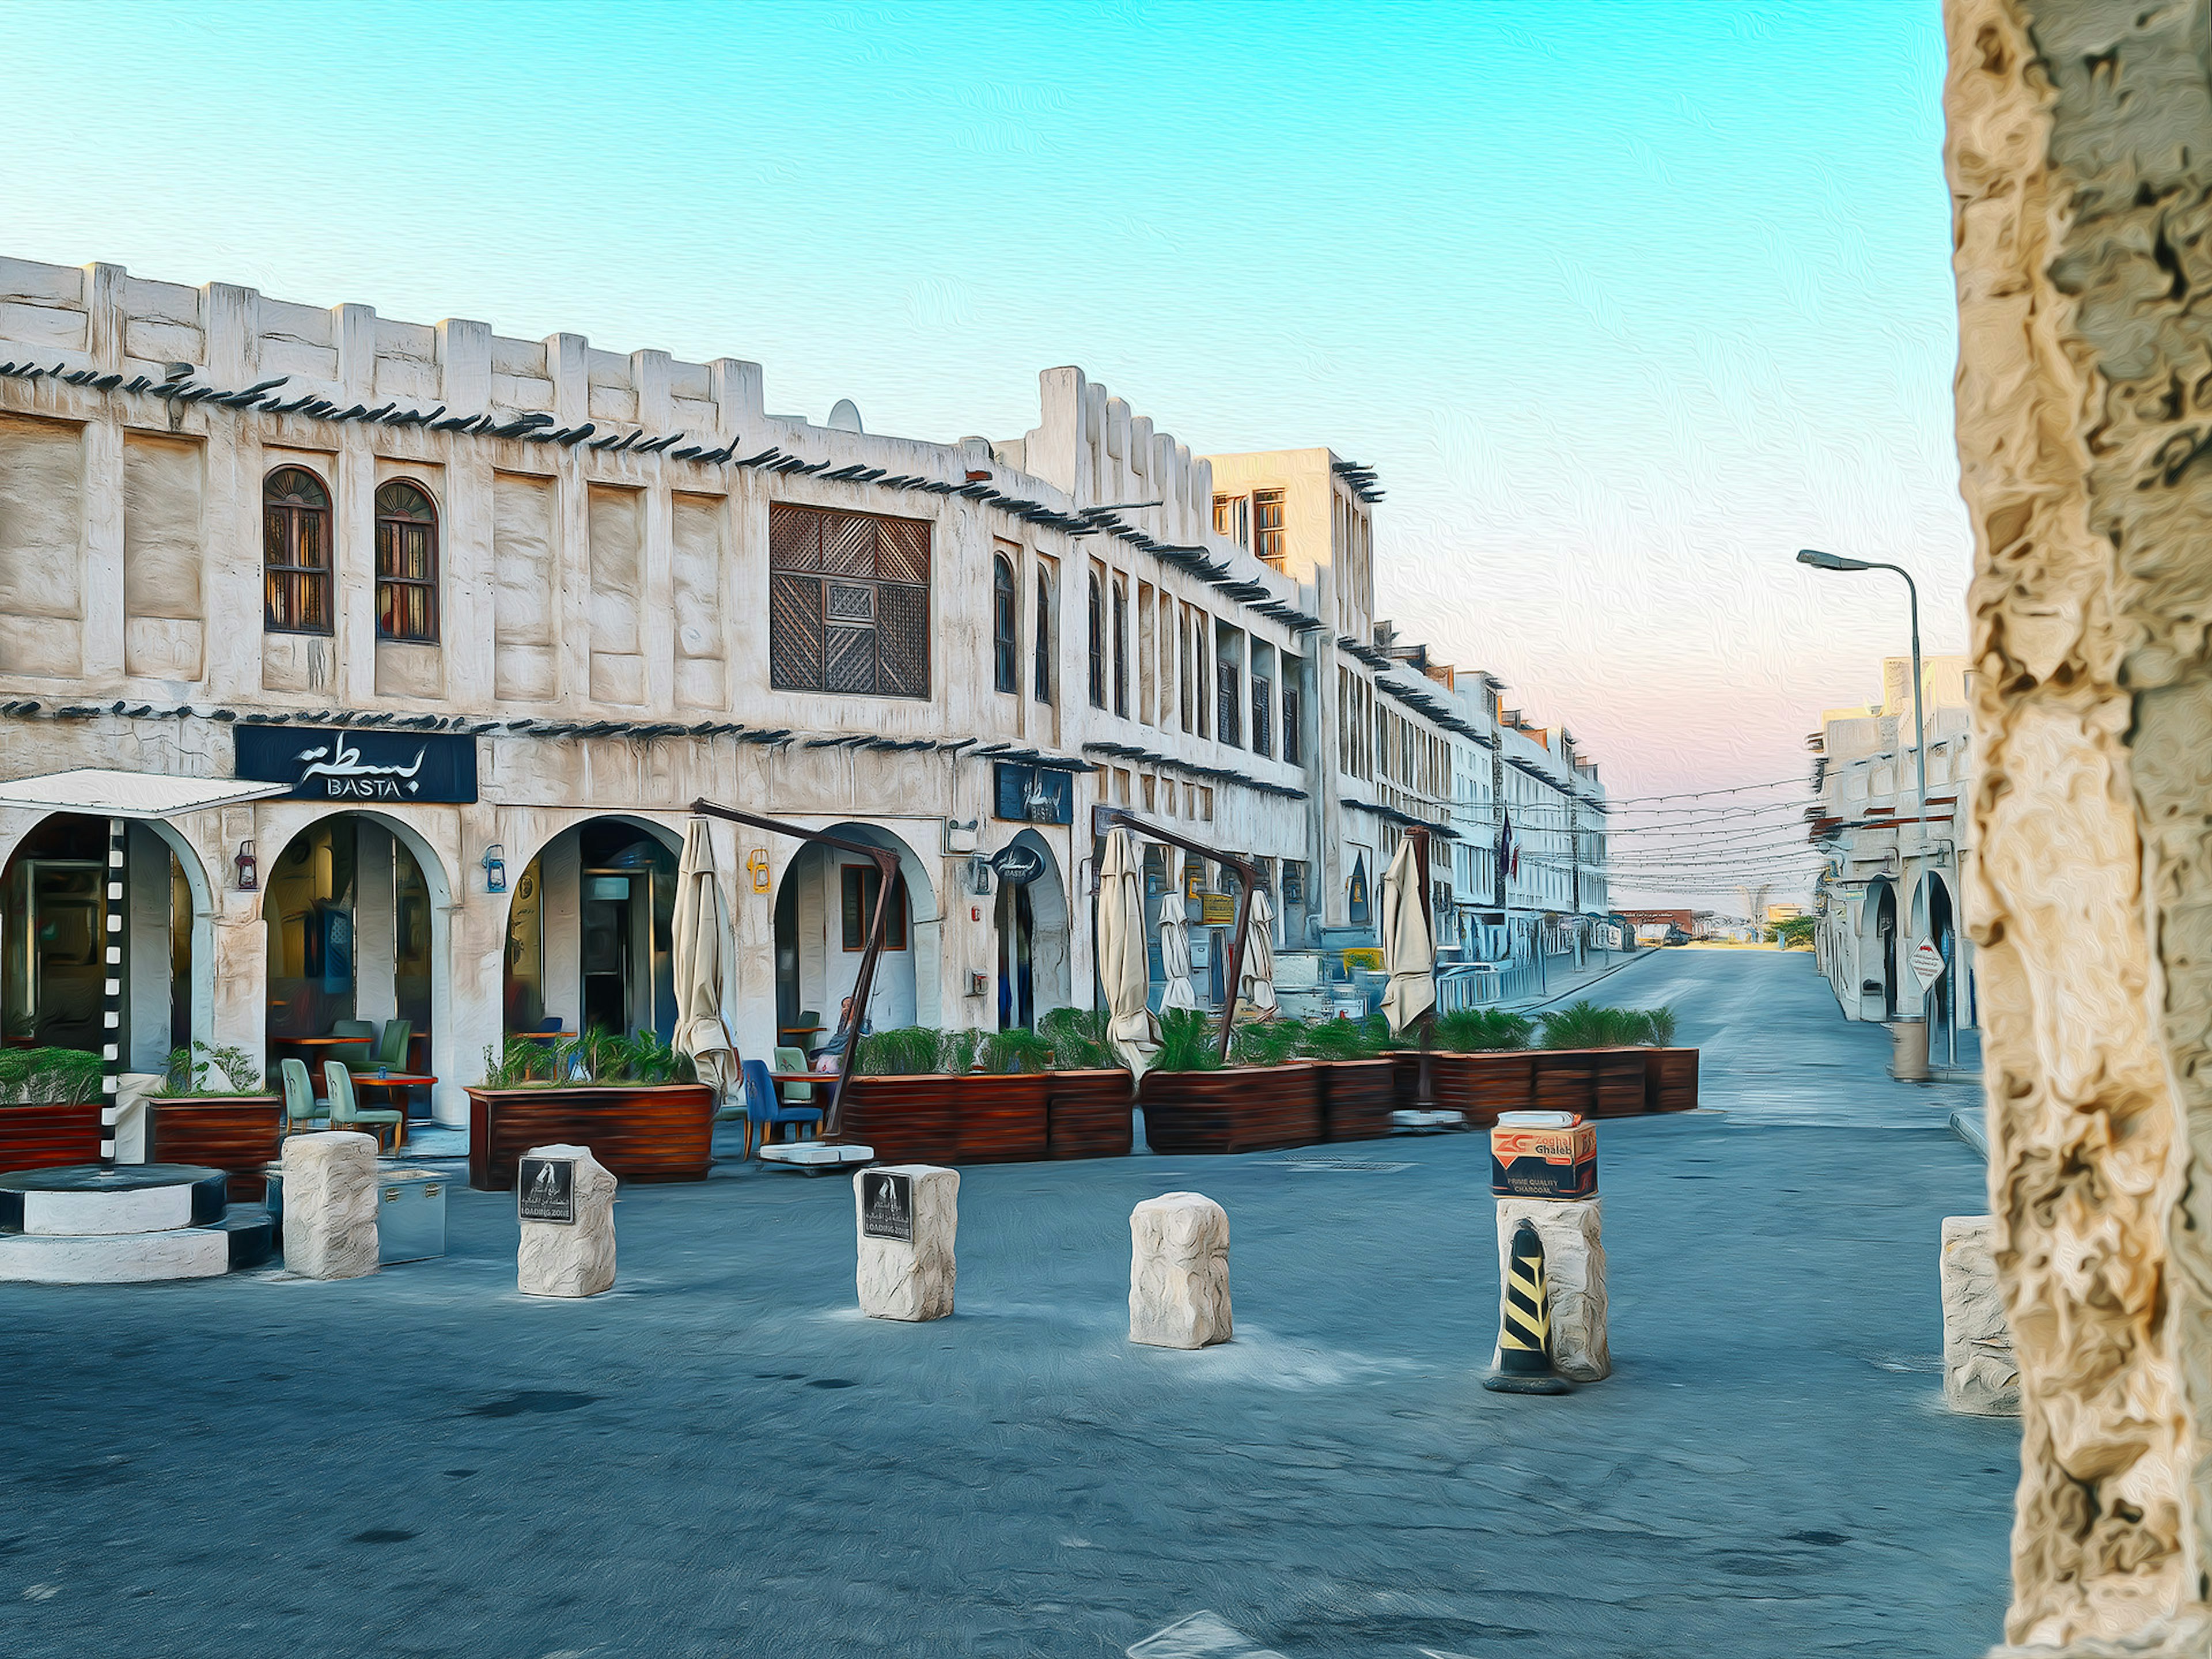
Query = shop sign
x=1221 y=909
x=1018 y=866
x=1032 y=794
x=545 y=1190
x=887 y=1206
x=347 y=763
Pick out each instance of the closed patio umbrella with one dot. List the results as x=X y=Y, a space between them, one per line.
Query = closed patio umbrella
x=1174 y=955
x=703 y=953
x=1256 y=986
x=1409 y=956
x=1130 y=1029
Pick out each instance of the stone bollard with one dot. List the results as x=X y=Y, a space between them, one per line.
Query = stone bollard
x=908 y=1215
x=1980 y=1376
x=1571 y=1231
x=330 y=1204
x=565 y=1199
x=1179 y=1272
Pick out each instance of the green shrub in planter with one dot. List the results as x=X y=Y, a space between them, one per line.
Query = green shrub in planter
x=1585 y=1025
x=1268 y=1042
x=1366 y=1038
x=49 y=1077
x=904 y=1051
x=1016 y=1050
x=1077 y=1037
x=1189 y=1043
x=203 y=1069
x=1478 y=1030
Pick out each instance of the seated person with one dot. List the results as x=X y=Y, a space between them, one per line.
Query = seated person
x=831 y=1054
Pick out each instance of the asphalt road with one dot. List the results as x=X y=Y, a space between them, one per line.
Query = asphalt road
x=722 y=1457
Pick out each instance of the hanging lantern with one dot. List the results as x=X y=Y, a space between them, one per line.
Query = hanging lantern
x=249 y=877
x=494 y=868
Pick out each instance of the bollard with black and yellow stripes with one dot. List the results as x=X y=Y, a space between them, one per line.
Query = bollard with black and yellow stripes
x=1524 y=1330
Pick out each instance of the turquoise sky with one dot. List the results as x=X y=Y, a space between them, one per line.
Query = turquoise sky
x=1626 y=301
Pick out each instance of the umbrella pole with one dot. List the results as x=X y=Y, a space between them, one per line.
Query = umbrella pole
x=110 y=1052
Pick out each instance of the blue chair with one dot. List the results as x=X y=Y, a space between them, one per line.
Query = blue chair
x=764 y=1111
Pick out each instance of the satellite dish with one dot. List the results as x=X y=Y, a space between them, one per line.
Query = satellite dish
x=846 y=417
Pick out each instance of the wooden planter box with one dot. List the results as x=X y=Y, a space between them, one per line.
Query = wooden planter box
x=1087 y=1115
x=1670 y=1079
x=1245 y=1109
x=658 y=1132
x=239 y=1134
x=938 y=1117
x=1621 y=1080
x=1359 y=1095
x=1566 y=1081
x=48 y=1137
x=1479 y=1087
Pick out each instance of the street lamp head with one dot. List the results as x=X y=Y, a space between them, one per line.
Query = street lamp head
x=1820 y=561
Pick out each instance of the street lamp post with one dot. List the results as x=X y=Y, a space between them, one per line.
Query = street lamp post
x=1819 y=561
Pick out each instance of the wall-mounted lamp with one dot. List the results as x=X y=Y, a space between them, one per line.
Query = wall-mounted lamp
x=249 y=877
x=494 y=869
x=757 y=862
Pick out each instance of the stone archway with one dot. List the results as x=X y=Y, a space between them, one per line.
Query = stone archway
x=169 y=938
x=822 y=899
x=356 y=909
x=1034 y=939
x=587 y=938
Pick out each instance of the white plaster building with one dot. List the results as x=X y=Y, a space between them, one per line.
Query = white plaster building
x=500 y=610
x=1885 y=887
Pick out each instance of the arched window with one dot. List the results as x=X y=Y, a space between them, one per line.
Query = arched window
x=295 y=552
x=1043 y=635
x=406 y=563
x=1098 y=644
x=1006 y=664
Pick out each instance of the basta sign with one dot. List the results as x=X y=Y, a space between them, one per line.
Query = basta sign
x=1018 y=866
x=342 y=763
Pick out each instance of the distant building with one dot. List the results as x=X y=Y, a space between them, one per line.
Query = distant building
x=1890 y=883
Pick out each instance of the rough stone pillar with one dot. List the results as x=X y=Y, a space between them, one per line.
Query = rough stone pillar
x=575 y=1257
x=1179 y=1272
x=1573 y=1234
x=330 y=1204
x=907 y=1220
x=2079 y=154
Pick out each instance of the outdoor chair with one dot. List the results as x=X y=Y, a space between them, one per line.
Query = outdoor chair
x=763 y=1111
x=354 y=1058
x=301 y=1109
x=392 y=1047
x=345 y=1115
x=794 y=1094
x=802 y=1030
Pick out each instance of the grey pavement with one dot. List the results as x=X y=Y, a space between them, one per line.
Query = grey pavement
x=721 y=1457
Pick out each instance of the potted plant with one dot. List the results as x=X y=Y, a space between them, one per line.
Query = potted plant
x=49 y=1107
x=1087 y=1107
x=966 y=1096
x=633 y=1100
x=214 y=1107
x=1193 y=1103
x=1593 y=1059
x=1479 y=1065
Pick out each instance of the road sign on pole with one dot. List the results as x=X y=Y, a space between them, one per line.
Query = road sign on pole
x=1927 y=963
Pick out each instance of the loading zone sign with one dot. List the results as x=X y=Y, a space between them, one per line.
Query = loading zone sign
x=887 y=1206
x=1927 y=963
x=545 y=1190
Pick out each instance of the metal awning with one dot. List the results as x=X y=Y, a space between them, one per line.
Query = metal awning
x=102 y=792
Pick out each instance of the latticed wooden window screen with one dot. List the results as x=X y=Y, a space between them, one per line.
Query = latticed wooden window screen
x=1228 y=722
x=1263 y=700
x=848 y=603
